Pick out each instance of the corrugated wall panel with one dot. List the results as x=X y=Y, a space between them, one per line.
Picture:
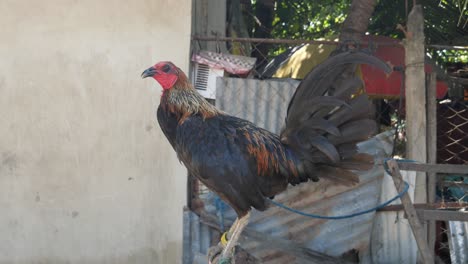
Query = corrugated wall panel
x=392 y=238
x=261 y=102
x=458 y=241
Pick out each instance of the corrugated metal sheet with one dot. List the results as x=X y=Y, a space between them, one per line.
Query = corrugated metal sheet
x=332 y=237
x=385 y=237
x=261 y=102
x=197 y=239
x=392 y=239
x=458 y=241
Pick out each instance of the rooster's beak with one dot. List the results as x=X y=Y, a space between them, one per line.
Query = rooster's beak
x=150 y=72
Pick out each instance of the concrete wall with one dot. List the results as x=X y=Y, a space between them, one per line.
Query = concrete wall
x=86 y=176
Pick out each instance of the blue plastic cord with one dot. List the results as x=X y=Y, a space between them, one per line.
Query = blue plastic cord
x=224 y=261
x=220 y=208
x=348 y=215
x=399 y=195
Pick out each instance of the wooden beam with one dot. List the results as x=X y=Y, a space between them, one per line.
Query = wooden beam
x=287 y=41
x=445 y=205
x=415 y=103
x=449 y=47
x=431 y=89
x=305 y=41
x=431 y=214
x=442 y=215
x=413 y=219
x=454 y=184
x=436 y=168
x=431 y=85
x=458 y=80
x=209 y=19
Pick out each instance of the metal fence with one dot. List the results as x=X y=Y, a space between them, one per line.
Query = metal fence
x=452 y=143
x=452 y=148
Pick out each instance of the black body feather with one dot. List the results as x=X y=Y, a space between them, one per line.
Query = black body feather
x=242 y=163
x=245 y=164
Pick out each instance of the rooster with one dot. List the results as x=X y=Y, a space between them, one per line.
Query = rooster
x=246 y=165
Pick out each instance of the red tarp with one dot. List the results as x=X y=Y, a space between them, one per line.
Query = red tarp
x=377 y=83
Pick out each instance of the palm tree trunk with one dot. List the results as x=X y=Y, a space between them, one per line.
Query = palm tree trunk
x=357 y=21
x=264 y=12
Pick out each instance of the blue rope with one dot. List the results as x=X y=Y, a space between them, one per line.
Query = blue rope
x=224 y=261
x=380 y=206
x=220 y=208
x=399 y=195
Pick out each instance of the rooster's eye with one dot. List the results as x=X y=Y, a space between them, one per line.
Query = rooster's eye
x=166 y=68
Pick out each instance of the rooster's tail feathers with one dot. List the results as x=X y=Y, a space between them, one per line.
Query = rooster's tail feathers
x=326 y=118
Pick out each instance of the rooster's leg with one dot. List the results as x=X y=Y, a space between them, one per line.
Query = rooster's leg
x=231 y=229
x=241 y=224
x=215 y=251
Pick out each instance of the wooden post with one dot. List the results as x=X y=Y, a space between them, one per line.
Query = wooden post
x=431 y=135
x=416 y=97
x=209 y=19
x=431 y=150
x=413 y=219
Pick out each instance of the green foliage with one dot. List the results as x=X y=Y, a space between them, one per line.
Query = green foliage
x=446 y=21
x=444 y=25
x=387 y=15
x=443 y=20
x=449 y=56
x=308 y=19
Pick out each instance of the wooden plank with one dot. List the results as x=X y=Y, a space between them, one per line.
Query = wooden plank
x=458 y=80
x=442 y=215
x=431 y=134
x=431 y=86
x=437 y=168
x=445 y=205
x=454 y=184
x=308 y=41
x=285 y=41
x=431 y=214
x=449 y=47
x=413 y=219
x=415 y=103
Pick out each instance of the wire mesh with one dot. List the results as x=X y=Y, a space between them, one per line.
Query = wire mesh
x=452 y=148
